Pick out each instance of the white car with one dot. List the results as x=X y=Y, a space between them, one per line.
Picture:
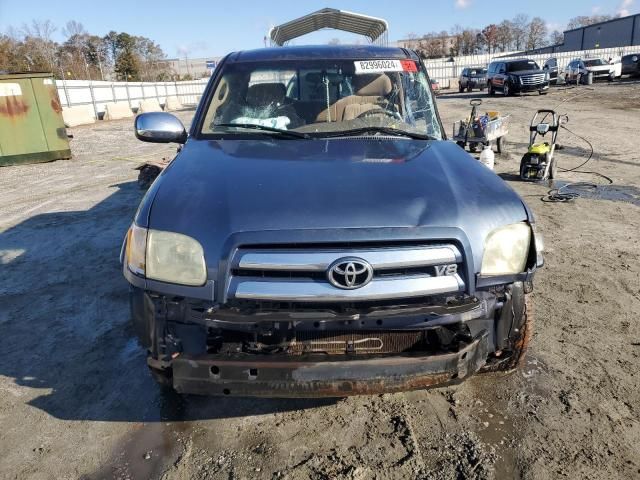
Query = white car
x=578 y=69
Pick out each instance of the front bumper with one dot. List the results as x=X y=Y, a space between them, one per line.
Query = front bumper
x=477 y=83
x=266 y=377
x=599 y=74
x=519 y=88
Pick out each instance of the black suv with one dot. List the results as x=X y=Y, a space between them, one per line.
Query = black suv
x=551 y=66
x=631 y=64
x=472 y=77
x=516 y=76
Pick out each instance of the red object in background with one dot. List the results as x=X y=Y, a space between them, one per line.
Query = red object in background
x=409 y=66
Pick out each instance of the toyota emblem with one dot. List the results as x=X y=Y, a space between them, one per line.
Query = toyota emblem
x=349 y=273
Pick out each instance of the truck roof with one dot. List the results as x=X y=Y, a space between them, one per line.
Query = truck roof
x=308 y=52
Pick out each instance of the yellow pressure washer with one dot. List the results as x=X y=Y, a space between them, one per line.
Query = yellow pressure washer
x=539 y=164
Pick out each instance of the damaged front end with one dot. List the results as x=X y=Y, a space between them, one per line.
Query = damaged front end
x=290 y=349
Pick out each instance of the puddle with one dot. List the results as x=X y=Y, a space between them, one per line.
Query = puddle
x=496 y=413
x=615 y=193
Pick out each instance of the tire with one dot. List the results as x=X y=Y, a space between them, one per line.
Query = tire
x=469 y=89
x=490 y=90
x=473 y=147
x=163 y=377
x=500 y=145
x=460 y=88
x=506 y=89
x=519 y=306
x=461 y=144
x=542 y=92
x=482 y=89
x=553 y=169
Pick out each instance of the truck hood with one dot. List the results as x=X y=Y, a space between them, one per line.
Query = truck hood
x=216 y=189
x=600 y=68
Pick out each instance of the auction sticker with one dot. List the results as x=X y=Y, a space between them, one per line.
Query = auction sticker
x=382 y=66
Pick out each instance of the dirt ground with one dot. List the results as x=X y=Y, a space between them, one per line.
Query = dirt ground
x=76 y=400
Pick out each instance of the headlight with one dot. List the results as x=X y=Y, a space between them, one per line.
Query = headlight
x=165 y=256
x=506 y=250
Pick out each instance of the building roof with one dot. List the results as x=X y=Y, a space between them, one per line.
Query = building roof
x=371 y=27
x=616 y=19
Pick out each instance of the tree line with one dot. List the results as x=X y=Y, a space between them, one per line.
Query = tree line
x=518 y=33
x=119 y=56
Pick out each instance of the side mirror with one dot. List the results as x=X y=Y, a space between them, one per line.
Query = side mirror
x=159 y=127
x=542 y=128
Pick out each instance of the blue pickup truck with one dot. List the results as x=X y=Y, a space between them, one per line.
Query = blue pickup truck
x=317 y=235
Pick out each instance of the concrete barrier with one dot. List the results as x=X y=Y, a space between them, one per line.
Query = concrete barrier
x=149 y=105
x=117 y=110
x=80 y=115
x=172 y=103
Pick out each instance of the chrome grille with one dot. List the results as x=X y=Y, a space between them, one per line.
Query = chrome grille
x=532 y=79
x=299 y=274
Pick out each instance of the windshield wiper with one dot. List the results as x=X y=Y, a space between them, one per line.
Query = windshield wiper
x=264 y=128
x=396 y=132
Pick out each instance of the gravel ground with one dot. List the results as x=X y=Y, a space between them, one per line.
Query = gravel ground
x=76 y=400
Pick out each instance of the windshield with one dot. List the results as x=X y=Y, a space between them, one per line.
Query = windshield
x=596 y=62
x=322 y=98
x=477 y=71
x=522 y=65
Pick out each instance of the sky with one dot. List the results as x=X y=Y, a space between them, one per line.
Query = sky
x=213 y=28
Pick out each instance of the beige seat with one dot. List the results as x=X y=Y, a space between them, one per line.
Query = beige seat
x=370 y=93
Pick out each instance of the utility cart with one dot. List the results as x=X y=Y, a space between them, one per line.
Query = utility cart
x=487 y=129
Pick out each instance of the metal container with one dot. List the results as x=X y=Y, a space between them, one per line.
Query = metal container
x=589 y=79
x=31 y=125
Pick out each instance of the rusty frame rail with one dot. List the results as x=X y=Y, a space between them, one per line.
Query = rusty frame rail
x=270 y=376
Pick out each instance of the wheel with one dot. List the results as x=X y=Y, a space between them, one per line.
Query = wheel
x=481 y=89
x=473 y=147
x=469 y=88
x=610 y=78
x=461 y=144
x=163 y=377
x=460 y=88
x=506 y=89
x=514 y=330
x=553 y=169
x=500 y=145
x=542 y=92
x=490 y=90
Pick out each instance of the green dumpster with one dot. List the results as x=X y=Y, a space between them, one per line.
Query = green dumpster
x=31 y=125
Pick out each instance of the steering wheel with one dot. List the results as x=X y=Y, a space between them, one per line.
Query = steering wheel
x=378 y=111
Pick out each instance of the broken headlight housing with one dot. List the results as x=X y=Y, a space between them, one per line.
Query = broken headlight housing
x=506 y=250
x=165 y=256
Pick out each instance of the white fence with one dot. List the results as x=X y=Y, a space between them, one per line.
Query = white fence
x=444 y=70
x=98 y=93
